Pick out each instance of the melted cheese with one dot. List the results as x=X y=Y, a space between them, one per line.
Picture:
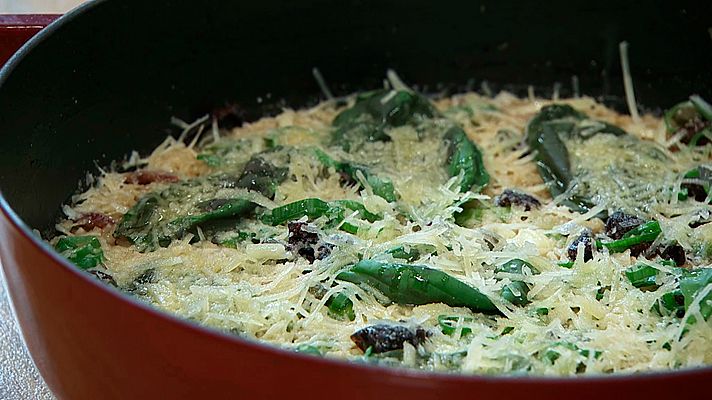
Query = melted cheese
x=262 y=291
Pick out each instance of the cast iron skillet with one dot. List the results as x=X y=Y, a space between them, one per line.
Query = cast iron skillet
x=106 y=79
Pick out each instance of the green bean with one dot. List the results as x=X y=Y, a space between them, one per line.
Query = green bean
x=645 y=233
x=466 y=159
x=341 y=307
x=508 y=292
x=314 y=208
x=700 y=189
x=417 y=284
x=642 y=275
x=83 y=251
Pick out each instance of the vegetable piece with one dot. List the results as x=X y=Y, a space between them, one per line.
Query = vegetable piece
x=375 y=111
x=691 y=119
x=382 y=187
x=642 y=275
x=233 y=241
x=673 y=301
x=516 y=291
x=643 y=234
x=304 y=243
x=620 y=223
x=703 y=107
x=552 y=354
x=510 y=198
x=696 y=183
x=341 y=307
x=216 y=209
x=413 y=253
x=153 y=221
x=308 y=349
x=417 y=284
x=261 y=176
x=449 y=324
x=382 y=337
x=673 y=253
x=693 y=283
x=546 y=135
x=587 y=241
x=464 y=157
x=83 y=251
x=314 y=208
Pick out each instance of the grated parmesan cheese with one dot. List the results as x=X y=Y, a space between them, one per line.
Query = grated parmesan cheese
x=588 y=319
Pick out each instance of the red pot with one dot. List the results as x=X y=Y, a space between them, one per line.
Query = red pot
x=91 y=342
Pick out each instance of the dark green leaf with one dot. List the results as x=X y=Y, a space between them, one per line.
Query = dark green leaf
x=547 y=133
x=645 y=233
x=381 y=186
x=376 y=111
x=703 y=107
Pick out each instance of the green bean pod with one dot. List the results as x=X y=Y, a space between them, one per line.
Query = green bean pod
x=417 y=284
x=464 y=157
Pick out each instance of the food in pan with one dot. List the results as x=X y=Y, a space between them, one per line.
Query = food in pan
x=473 y=234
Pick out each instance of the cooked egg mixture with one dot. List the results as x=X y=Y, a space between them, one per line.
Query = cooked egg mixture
x=388 y=239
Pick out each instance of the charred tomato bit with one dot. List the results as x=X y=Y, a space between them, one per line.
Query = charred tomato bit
x=93 y=220
x=674 y=252
x=145 y=177
x=510 y=198
x=104 y=277
x=620 y=223
x=587 y=239
x=304 y=243
x=383 y=337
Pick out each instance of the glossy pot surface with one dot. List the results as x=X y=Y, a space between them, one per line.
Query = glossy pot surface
x=107 y=78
